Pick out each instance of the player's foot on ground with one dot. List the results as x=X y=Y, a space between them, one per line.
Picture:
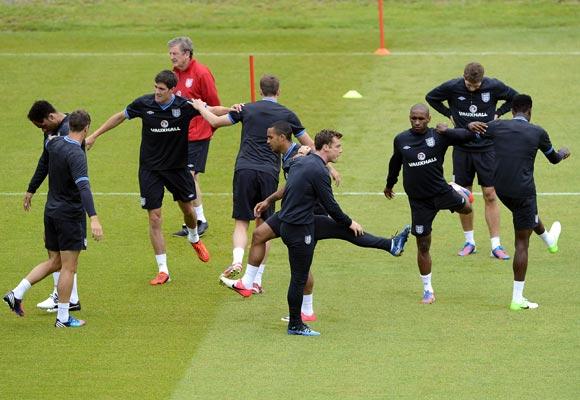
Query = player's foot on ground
x=50 y=303
x=232 y=271
x=398 y=241
x=523 y=305
x=71 y=307
x=555 y=233
x=257 y=289
x=499 y=253
x=428 y=297
x=305 y=318
x=160 y=279
x=14 y=304
x=71 y=323
x=183 y=232
x=468 y=248
x=302 y=330
x=202 y=227
x=236 y=285
x=201 y=250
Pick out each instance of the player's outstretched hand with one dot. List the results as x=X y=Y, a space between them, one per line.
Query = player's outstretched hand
x=441 y=127
x=90 y=141
x=389 y=194
x=237 y=107
x=197 y=104
x=564 y=152
x=260 y=208
x=356 y=228
x=477 y=127
x=96 y=228
x=304 y=150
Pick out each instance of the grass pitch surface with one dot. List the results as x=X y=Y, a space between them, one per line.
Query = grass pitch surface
x=192 y=339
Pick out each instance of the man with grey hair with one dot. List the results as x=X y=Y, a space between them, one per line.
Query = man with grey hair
x=194 y=81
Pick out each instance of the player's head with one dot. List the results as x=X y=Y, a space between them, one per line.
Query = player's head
x=180 y=52
x=420 y=118
x=522 y=104
x=79 y=121
x=327 y=143
x=44 y=116
x=473 y=76
x=279 y=136
x=164 y=82
x=270 y=86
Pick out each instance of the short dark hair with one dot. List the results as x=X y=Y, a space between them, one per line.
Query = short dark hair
x=269 y=85
x=166 y=77
x=283 y=128
x=521 y=103
x=325 y=136
x=78 y=120
x=473 y=72
x=40 y=110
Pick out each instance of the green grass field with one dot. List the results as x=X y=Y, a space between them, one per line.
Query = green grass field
x=192 y=339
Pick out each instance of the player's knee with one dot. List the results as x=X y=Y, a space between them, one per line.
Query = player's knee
x=489 y=195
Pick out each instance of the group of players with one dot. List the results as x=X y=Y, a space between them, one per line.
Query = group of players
x=178 y=120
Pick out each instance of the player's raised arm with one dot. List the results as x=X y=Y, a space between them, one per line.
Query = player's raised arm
x=206 y=112
x=114 y=121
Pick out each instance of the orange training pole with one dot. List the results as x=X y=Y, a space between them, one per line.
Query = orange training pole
x=381 y=51
x=252 y=82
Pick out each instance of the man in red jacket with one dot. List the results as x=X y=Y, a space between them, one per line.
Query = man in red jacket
x=194 y=81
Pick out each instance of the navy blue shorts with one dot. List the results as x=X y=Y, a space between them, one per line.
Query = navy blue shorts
x=466 y=165
x=423 y=211
x=274 y=223
x=251 y=187
x=197 y=155
x=65 y=234
x=524 y=211
x=152 y=183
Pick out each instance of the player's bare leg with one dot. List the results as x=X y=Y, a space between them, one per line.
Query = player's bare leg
x=520 y=266
x=424 y=262
x=492 y=218
x=467 y=226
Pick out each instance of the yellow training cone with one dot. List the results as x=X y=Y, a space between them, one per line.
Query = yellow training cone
x=352 y=94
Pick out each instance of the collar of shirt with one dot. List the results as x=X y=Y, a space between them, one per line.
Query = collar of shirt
x=68 y=139
x=287 y=154
x=521 y=118
x=272 y=99
x=165 y=106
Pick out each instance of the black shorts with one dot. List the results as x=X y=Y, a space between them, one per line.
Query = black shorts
x=65 y=234
x=251 y=187
x=178 y=181
x=274 y=223
x=423 y=211
x=197 y=155
x=466 y=165
x=524 y=211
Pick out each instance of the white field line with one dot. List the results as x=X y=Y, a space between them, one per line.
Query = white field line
x=299 y=54
x=360 y=194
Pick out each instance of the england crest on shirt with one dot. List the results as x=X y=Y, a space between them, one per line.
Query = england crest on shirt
x=430 y=141
x=485 y=96
x=176 y=112
x=308 y=239
x=419 y=229
x=188 y=82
